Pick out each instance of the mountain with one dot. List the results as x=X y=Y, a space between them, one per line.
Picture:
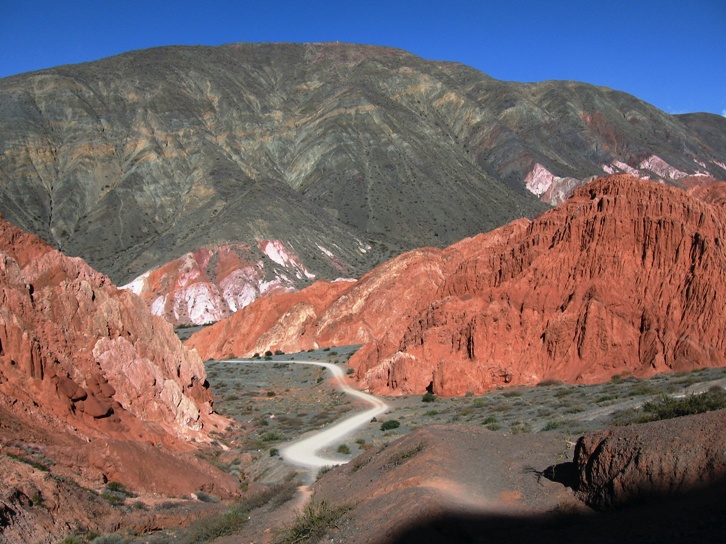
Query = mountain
x=342 y=152
x=90 y=385
x=626 y=276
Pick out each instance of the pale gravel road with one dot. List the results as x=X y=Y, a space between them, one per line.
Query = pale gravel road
x=304 y=452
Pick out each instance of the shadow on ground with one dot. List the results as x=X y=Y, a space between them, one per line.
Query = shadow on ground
x=698 y=516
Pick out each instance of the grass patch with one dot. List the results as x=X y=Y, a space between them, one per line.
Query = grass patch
x=397 y=459
x=312 y=523
x=207 y=529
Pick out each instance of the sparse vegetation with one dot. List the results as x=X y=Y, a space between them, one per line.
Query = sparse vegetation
x=344 y=449
x=665 y=407
x=428 y=397
x=313 y=523
x=400 y=458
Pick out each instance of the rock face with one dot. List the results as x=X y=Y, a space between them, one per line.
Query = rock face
x=212 y=283
x=625 y=276
x=346 y=154
x=73 y=343
x=93 y=385
x=617 y=467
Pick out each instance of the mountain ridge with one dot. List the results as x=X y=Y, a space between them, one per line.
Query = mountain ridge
x=131 y=162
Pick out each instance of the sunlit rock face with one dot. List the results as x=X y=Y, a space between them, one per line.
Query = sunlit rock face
x=210 y=284
x=624 y=276
x=344 y=154
x=88 y=372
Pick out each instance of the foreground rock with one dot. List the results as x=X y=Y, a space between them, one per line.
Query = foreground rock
x=653 y=460
x=92 y=387
x=624 y=277
x=470 y=485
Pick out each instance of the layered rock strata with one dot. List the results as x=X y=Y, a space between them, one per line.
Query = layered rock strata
x=624 y=277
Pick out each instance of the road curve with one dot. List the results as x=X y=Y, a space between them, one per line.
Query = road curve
x=304 y=452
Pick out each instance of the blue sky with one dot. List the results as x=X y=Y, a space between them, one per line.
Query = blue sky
x=669 y=53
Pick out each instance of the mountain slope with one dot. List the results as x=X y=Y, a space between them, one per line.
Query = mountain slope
x=135 y=160
x=625 y=276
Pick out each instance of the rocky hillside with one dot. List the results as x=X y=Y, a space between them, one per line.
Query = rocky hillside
x=90 y=384
x=344 y=154
x=625 y=276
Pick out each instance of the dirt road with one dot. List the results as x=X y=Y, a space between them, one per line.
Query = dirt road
x=305 y=451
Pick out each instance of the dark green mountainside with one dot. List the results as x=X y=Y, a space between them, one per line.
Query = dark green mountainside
x=365 y=151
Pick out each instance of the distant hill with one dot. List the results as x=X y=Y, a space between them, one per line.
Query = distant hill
x=344 y=154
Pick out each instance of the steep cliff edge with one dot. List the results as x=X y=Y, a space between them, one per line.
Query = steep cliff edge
x=625 y=276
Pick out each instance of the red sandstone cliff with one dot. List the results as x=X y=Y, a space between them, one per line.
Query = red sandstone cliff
x=98 y=385
x=625 y=276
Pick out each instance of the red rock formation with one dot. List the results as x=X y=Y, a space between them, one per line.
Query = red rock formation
x=87 y=368
x=625 y=276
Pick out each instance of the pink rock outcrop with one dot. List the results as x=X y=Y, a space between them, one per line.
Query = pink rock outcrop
x=625 y=276
x=209 y=284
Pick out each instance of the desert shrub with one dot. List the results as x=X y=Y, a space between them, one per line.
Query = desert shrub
x=512 y=393
x=271 y=436
x=428 y=397
x=350 y=371
x=344 y=449
x=118 y=487
x=312 y=523
x=324 y=470
x=206 y=497
x=271 y=394
x=401 y=457
x=549 y=383
x=274 y=452
x=490 y=419
x=113 y=498
x=279 y=352
x=390 y=424
x=209 y=528
x=666 y=407
x=519 y=427
x=108 y=539
x=431 y=413
x=551 y=426
x=268 y=353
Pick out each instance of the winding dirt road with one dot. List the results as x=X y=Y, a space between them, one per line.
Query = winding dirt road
x=304 y=452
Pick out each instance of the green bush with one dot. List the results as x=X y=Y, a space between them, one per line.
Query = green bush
x=666 y=407
x=428 y=397
x=390 y=424
x=344 y=449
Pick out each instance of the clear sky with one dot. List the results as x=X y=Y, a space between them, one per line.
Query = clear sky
x=669 y=53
